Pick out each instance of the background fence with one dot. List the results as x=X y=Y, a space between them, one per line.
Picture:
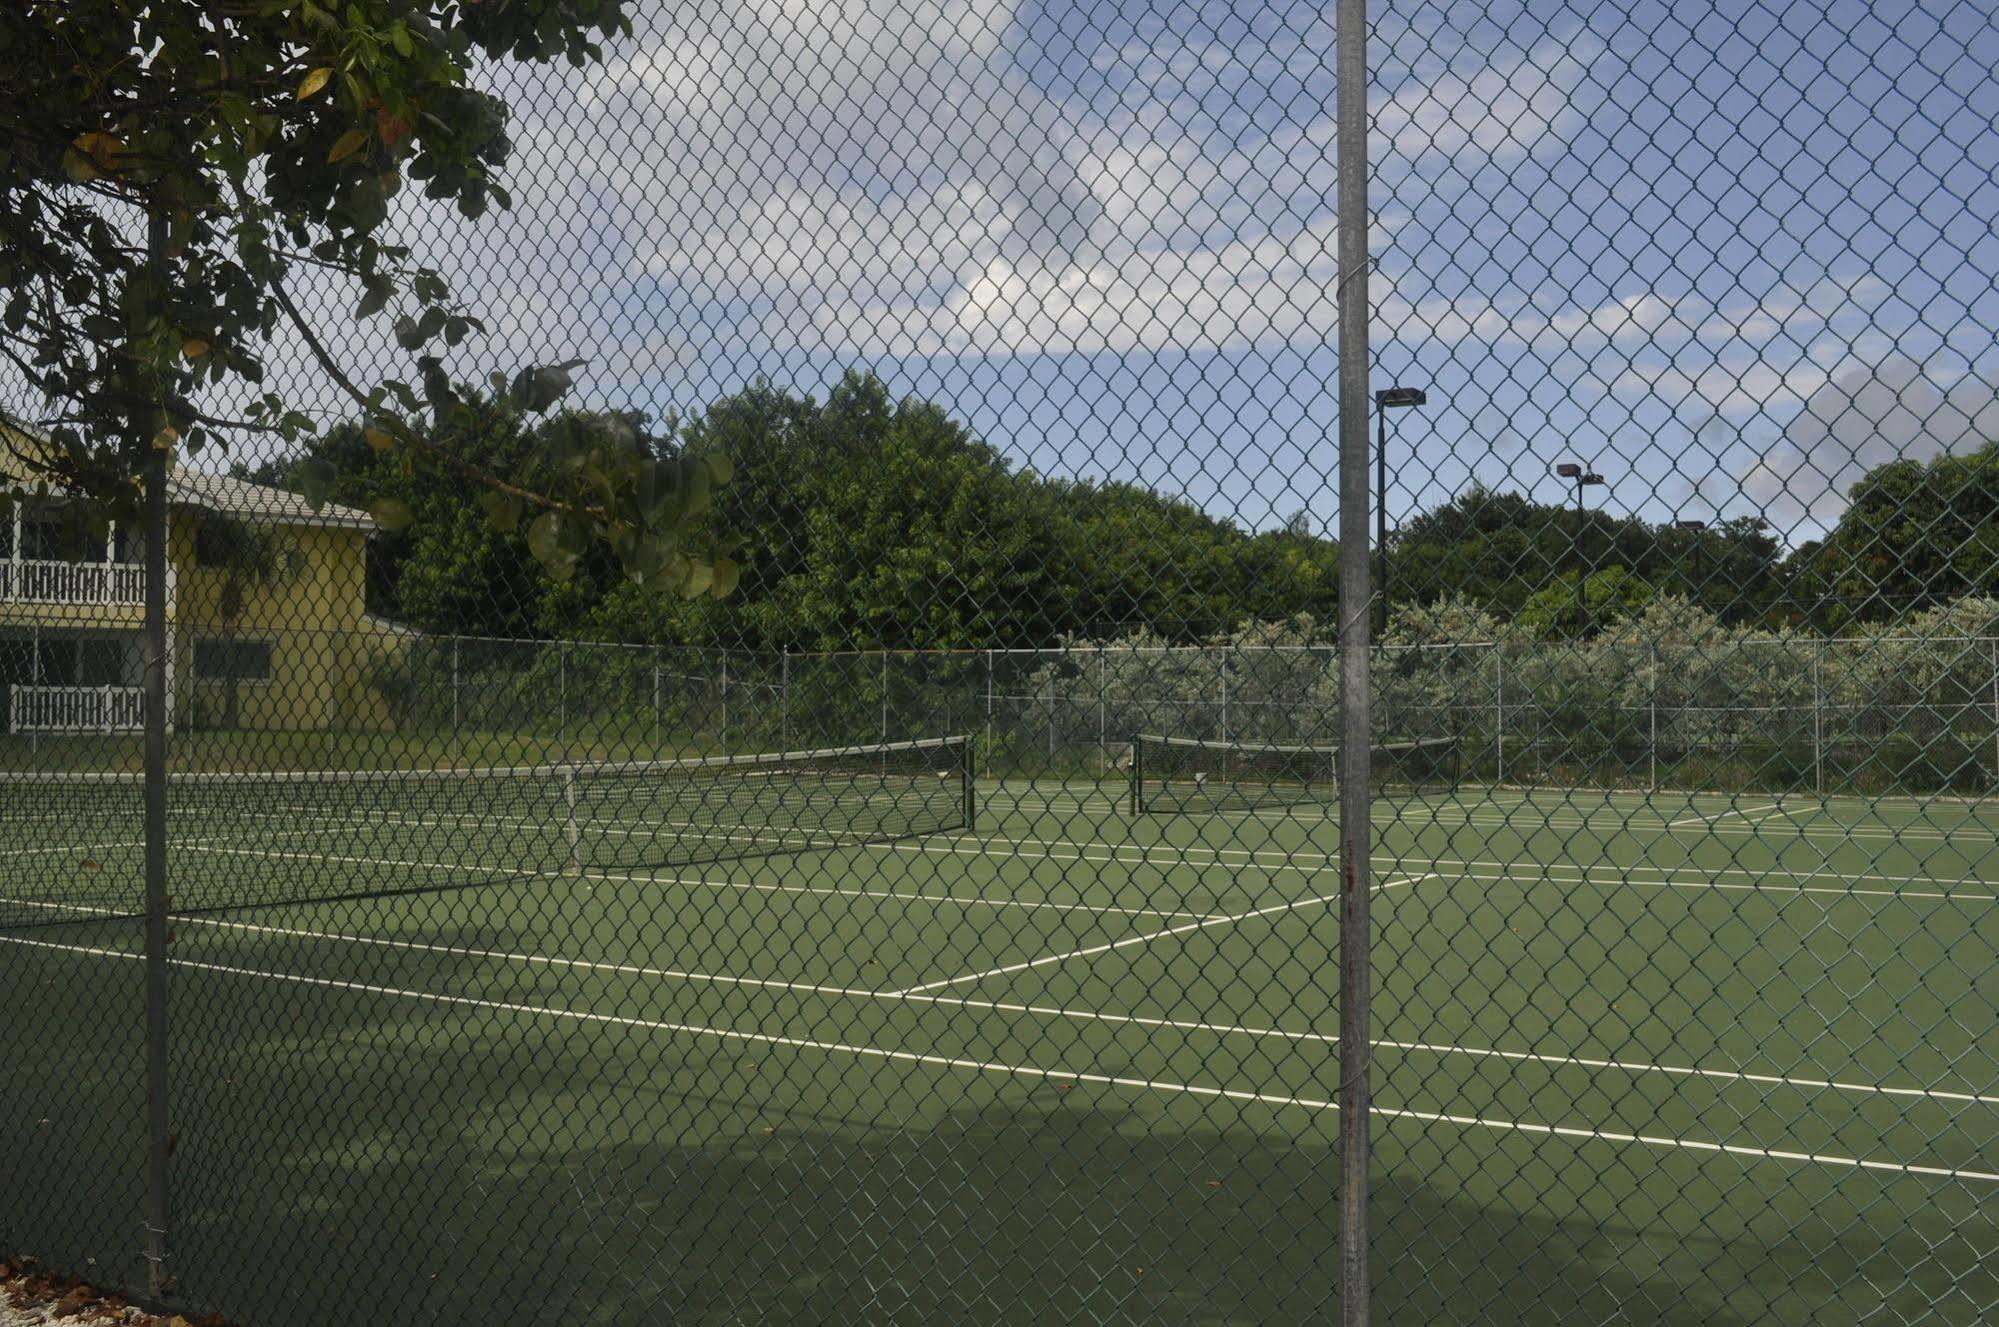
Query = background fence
x=1826 y=716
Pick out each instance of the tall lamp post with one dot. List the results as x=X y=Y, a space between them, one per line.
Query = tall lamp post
x=1582 y=479
x=1385 y=400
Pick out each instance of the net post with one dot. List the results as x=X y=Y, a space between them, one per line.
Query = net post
x=655 y=698
x=457 y=740
x=784 y=701
x=1137 y=777
x=1356 y=810
x=1992 y=648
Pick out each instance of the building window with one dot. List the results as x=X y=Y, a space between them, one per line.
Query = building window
x=218 y=660
x=211 y=546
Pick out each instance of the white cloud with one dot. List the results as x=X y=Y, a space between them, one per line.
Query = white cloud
x=1859 y=419
x=1475 y=108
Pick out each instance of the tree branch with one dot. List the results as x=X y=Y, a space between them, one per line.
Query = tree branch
x=458 y=464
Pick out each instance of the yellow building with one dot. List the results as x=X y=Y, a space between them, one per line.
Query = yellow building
x=291 y=649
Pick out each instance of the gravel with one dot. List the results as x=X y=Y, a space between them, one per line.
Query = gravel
x=30 y=1297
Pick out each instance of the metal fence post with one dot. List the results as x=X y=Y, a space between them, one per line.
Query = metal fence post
x=784 y=701
x=655 y=698
x=1051 y=706
x=1103 y=716
x=989 y=713
x=1652 y=695
x=457 y=711
x=1818 y=720
x=1357 y=735
x=884 y=735
x=159 y=1135
x=1225 y=693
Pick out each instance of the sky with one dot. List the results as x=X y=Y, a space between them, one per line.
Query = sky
x=1727 y=254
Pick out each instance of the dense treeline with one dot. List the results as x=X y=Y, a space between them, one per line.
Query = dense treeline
x=860 y=522
x=865 y=522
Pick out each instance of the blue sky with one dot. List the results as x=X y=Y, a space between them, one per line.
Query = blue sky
x=1729 y=254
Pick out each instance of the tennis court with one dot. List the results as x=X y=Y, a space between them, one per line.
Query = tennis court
x=1743 y=1032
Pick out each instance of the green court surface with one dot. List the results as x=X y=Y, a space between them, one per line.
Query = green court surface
x=1637 y=1059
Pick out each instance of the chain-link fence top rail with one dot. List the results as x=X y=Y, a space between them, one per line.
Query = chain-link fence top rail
x=942 y=927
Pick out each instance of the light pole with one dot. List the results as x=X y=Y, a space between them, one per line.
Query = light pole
x=1582 y=479
x=1385 y=400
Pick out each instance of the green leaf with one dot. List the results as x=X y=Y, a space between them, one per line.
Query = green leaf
x=347 y=145
x=392 y=514
x=312 y=83
x=700 y=576
x=315 y=481
x=557 y=540
x=695 y=473
x=373 y=299
x=503 y=510
x=536 y=389
x=720 y=468
x=646 y=553
x=728 y=573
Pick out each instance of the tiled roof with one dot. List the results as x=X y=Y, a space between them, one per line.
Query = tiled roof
x=257 y=502
x=227 y=494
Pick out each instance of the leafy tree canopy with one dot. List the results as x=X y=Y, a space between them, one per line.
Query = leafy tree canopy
x=1914 y=535
x=1500 y=550
x=166 y=171
x=859 y=521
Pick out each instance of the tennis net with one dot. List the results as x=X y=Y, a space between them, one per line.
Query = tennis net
x=71 y=847
x=1179 y=774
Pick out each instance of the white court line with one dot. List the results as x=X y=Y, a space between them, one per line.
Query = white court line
x=1082 y=1015
x=1144 y=938
x=1461 y=811
x=1154 y=1085
x=1723 y=815
x=1805 y=832
x=1195 y=856
x=1513 y=869
x=1514 y=872
x=638 y=878
x=1526 y=878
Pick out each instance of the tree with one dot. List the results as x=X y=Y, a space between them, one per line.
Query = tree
x=1501 y=549
x=867 y=522
x=1565 y=610
x=167 y=168
x=1914 y=535
x=247 y=559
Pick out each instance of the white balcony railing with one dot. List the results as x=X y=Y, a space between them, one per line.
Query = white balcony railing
x=30 y=581
x=33 y=709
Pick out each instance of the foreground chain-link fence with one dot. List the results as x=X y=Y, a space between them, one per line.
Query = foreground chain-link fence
x=950 y=924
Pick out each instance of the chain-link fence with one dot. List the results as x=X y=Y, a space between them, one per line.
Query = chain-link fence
x=809 y=766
